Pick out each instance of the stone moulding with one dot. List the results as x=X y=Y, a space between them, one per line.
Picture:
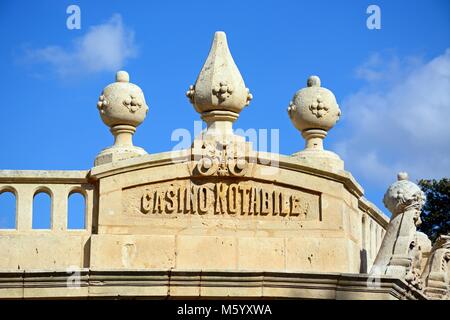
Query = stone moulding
x=367 y=206
x=178 y=284
x=400 y=254
x=44 y=176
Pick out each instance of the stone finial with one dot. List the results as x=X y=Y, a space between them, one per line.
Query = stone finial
x=314 y=111
x=403 y=195
x=219 y=94
x=122 y=107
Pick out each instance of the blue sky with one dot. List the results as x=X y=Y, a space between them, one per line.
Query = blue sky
x=393 y=84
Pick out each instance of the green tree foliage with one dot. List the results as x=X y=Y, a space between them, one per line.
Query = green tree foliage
x=436 y=212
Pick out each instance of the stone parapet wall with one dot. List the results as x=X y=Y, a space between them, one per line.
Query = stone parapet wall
x=324 y=225
x=57 y=247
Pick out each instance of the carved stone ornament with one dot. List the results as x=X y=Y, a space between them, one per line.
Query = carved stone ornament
x=102 y=104
x=399 y=254
x=436 y=275
x=133 y=103
x=122 y=107
x=314 y=107
x=215 y=158
x=404 y=195
x=222 y=91
x=314 y=111
x=219 y=93
x=122 y=103
x=318 y=108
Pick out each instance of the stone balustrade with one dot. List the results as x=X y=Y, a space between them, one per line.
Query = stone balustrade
x=59 y=185
x=26 y=248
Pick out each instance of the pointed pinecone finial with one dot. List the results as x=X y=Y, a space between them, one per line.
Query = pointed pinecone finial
x=219 y=92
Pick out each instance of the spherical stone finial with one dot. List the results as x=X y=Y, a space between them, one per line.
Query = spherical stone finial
x=122 y=102
x=314 y=107
x=403 y=195
x=314 y=111
x=402 y=176
x=313 y=81
x=122 y=76
x=122 y=107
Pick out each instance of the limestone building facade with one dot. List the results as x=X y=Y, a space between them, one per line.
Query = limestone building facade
x=219 y=219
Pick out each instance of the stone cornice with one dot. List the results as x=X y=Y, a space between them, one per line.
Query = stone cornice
x=367 y=206
x=43 y=176
x=201 y=284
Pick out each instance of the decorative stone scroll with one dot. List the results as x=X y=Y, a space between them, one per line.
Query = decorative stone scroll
x=403 y=248
x=437 y=271
x=221 y=158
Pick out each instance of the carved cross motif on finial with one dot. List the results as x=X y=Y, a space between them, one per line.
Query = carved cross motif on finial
x=291 y=108
x=249 y=97
x=222 y=91
x=191 y=93
x=318 y=108
x=132 y=103
x=102 y=103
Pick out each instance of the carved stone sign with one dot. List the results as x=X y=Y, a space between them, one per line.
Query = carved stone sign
x=231 y=198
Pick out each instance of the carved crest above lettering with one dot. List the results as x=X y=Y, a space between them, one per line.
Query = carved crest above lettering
x=220 y=158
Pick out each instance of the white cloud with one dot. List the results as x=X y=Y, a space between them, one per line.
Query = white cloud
x=399 y=121
x=104 y=47
x=383 y=68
